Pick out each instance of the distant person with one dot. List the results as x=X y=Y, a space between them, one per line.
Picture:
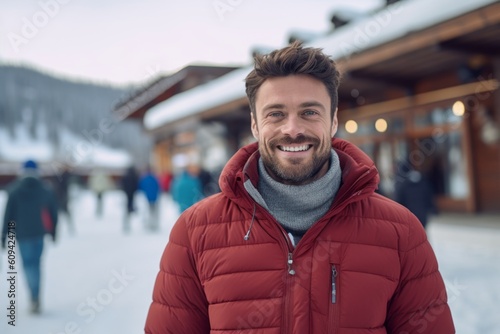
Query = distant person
x=129 y=185
x=150 y=186
x=32 y=207
x=99 y=182
x=166 y=181
x=61 y=183
x=187 y=187
x=209 y=182
x=414 y=191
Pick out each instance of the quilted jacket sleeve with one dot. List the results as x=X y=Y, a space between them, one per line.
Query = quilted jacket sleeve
x=420 y=302
x=179 y=304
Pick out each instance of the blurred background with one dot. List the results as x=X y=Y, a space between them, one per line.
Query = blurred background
x=92 y=88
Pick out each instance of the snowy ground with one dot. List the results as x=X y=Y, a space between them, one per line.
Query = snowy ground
x=99 y=281
x=469 y=259
x=96 y=281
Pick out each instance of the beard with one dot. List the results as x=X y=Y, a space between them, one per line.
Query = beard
x=295 y=171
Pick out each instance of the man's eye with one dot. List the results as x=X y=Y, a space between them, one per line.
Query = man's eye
x=310 y=112
x=275 y=114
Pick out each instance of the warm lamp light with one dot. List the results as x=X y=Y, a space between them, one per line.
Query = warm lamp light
x=351 y=126
x=381 y=125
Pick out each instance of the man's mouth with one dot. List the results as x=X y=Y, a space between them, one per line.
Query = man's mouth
x=300 y=148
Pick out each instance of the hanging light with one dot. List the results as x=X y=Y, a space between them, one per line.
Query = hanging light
x=351 y=126
x=458 y=108
x=381 y=125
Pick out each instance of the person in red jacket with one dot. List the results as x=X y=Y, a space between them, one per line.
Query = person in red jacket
x=298 y=241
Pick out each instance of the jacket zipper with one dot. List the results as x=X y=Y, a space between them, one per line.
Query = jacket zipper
x=334 y=285
x=290 y=262
x=287 y=307
x=288 y=295
x=334 y=308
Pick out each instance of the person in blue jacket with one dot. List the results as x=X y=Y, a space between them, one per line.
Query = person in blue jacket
x=187 y=188
x=150 y=186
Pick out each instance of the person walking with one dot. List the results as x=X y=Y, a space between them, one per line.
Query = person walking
x=166 y=182
x=208 y=182
x=298 y=241
x=130 y=184
x=61 y=184
x=187 y=187
x=414 y=191
x=150 y=186
x=30 y=213
x=99 y=182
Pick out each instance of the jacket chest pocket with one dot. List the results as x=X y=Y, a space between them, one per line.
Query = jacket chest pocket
x=326 y=287
x=366 y=278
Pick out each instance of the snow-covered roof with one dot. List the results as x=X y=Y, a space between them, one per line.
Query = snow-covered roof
x=147 y=93
x=393 y=22
x=227 y=88
x=390 y=23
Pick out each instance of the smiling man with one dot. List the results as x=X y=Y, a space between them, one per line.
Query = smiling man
x=298 y=241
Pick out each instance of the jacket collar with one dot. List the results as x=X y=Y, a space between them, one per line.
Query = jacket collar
x=359 y=174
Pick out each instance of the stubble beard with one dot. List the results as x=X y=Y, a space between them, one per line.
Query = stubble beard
x=296 y=171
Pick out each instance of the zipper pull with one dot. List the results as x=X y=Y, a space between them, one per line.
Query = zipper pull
x=290 y=262
x=334 y=284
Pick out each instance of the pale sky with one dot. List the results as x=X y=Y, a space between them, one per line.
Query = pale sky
x=132 y=42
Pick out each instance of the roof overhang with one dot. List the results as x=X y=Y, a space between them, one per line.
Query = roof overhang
x=212 y=98
x=136 y=105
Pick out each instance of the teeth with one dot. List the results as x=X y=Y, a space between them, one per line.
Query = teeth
x=295 y=148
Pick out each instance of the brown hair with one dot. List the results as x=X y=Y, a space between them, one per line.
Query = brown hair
x=293 y=60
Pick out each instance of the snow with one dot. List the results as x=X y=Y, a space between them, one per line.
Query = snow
x=100 y=280
x=84 y=150
x=89 y=151
x=23 y=146
x=81 y=271
x=229 y=87
x=391 y=23
x=469 y=259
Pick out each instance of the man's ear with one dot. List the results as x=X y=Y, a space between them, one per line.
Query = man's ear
x=335 y=123
x=255 y=131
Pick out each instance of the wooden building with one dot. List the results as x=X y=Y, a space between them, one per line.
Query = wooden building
x=420 y=81
x=430 y=95
x=167 y=144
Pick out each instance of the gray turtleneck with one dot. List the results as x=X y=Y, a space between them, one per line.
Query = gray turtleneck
x=297 y=208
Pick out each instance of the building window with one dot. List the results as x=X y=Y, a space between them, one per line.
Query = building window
x=439 y=116
x=447 y=166
x=456 y=185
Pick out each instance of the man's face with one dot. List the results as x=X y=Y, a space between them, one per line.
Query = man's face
x=294 y=128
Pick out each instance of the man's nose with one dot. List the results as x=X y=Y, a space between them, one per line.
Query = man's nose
x=293 y=127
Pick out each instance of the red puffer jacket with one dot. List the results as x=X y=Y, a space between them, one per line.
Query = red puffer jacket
x=365 y=267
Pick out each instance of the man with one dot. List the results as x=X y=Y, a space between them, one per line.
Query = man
x=298 y=241
x=30 y=213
